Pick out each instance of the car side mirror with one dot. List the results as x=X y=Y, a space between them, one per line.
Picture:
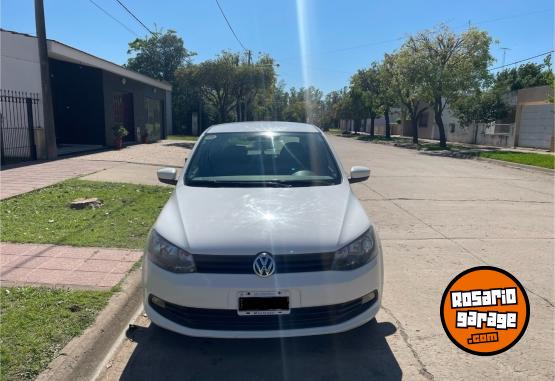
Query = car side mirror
x=167 y=176
x=359 y=174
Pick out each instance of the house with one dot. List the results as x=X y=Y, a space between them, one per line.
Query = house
x=90 y=97
x=529 y=124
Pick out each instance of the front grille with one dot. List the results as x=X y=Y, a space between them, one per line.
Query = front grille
x=242 y=264
x=230 y=320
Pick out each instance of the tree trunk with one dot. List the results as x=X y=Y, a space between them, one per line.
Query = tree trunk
x=372 y=127
x=357 y=126
x=438 y=111
x=387 y=124
x=441 y=128
x=222 y=114
x=414 y=124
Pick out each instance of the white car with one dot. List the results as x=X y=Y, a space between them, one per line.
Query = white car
x=262 y=237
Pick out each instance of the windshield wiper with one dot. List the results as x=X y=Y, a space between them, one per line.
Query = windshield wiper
x=307 y=183
x=223 y=184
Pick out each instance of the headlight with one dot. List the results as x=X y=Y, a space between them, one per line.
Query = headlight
x=168 y=256
x=356 y=254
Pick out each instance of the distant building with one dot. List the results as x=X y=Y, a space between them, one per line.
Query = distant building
x=379 y=123
x=90 y=97
x=530 y=123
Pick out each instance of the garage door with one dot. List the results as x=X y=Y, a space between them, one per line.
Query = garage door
x=536 y=126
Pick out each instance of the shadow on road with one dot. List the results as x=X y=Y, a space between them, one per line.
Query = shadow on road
x=361 y=354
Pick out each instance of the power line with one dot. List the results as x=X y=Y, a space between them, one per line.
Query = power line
x=113 y=18
x=514 y=16
x=487 y=21
x=526 y=59
x=135 y=17
x=230 y=27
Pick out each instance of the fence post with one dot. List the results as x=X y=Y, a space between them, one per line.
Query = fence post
x=31 y=128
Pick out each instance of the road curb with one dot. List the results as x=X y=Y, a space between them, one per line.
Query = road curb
x=80 y=357
x=517 y=165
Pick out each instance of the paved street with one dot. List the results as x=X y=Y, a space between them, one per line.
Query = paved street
x=437 y=217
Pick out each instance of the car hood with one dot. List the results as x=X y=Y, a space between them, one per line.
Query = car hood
x=244 y=221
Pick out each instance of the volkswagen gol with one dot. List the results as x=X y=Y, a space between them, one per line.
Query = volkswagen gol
x=262 y=237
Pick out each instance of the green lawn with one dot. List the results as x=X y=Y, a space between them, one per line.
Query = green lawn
x=183 y=137
x=334 y=131
x=36 y=323
x=375 y=138
x=44 y=216
x=529 y=158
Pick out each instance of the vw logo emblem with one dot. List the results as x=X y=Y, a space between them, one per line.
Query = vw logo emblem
x=264 y=265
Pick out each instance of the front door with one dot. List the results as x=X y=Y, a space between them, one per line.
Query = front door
x=123 y=114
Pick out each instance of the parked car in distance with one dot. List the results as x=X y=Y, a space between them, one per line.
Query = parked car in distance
x=262 y=237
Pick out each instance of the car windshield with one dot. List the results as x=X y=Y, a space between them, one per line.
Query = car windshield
x=264 y=159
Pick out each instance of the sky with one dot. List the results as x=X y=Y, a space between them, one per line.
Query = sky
x=316 y=42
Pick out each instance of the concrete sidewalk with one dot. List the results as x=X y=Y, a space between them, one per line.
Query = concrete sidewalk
x=134 y=164
x=58 y=266
x=19 y=180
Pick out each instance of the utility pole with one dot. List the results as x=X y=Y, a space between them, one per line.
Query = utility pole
x=47 y=106
x=504 y=54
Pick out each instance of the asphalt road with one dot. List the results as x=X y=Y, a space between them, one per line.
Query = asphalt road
x=437 y=217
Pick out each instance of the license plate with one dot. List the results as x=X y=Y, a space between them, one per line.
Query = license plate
x=256 y=303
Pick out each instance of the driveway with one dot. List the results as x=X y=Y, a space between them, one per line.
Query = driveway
x=437 y=217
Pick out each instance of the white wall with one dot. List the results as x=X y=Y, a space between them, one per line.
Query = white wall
x=19 y=65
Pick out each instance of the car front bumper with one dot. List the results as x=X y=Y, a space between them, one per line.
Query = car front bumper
x=205 y=305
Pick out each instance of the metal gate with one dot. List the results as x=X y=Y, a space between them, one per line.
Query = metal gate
x=19 y=115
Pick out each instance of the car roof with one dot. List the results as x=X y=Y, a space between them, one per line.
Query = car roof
x=262 y=126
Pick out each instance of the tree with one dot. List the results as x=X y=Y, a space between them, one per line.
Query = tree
x=355 y=106
x=236 y=89
x=386 y=95
x=449 y=64
x=367 y=82
x=254 y=85
x=526 y=75
x=158 y=55
x=295 y=110
x=406 y=85
x=278 y=102
x=217 y=82
x=480 y=107
x=332 y=104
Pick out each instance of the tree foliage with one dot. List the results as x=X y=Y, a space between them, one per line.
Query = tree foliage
x=406 y=85
x=525 y=75
x=365 y=91
x=430 y=70
x=486 y=104
x=480 y=106
x=449 y=65
x=158 y=55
